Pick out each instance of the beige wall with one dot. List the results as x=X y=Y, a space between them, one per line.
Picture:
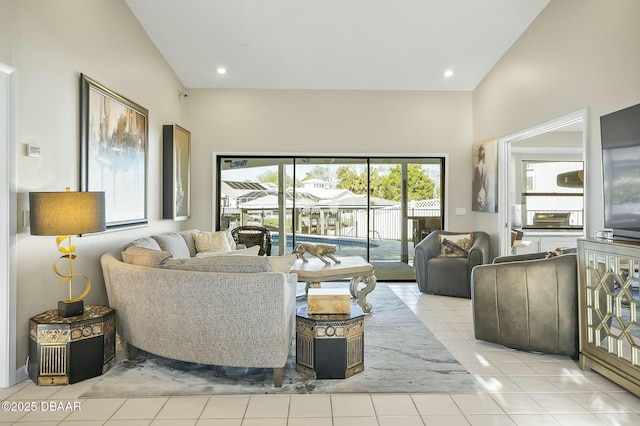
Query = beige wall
x=50 y=43
x=577 y=54
x=330 y=123
x=6 y=26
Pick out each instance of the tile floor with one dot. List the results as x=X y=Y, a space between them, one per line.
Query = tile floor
x=519 y=389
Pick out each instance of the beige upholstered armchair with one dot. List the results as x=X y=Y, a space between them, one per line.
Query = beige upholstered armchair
x=449 y=274
x=528 y=302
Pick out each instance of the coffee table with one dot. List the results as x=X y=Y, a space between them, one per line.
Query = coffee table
x=315 y=271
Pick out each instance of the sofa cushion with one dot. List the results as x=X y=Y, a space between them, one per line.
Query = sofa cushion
x=217 y=242
x=251 y=251
x=282 y=263
x=188 y=238
x=143 y=256
x=221 y=264
x=455 y=245
x=173 y=243
x=147 y=242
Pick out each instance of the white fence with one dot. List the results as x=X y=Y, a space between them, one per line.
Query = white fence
x=385 y=222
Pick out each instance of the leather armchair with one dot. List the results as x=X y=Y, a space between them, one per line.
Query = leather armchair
x=528 y=302
x=448 y=276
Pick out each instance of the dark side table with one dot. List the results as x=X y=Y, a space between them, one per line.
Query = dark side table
x=69 y=350
x=330 y=346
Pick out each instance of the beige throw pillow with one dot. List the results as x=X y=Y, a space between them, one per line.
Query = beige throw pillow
x=282 y=263
x=142 y=256
x=215 y=242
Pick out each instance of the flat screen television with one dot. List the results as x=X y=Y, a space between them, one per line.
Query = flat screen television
x=620 y=133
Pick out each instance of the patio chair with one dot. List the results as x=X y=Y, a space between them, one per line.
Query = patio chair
x=253 y=235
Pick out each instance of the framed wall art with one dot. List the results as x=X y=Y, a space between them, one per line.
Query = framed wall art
x=484 y=192
x=113 y=152
x=176 y=169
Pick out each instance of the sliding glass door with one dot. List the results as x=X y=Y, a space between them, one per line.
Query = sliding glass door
x=331 y=207
x=376 y=208
x=257 y=191
x=405 y=205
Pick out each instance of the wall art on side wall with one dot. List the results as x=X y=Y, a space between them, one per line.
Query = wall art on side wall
x=176 y=169
x=113 y=152
x=484 y=186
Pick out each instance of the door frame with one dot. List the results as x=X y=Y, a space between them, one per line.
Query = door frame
x=8 y=226
x=214 y=168
x=504 y=146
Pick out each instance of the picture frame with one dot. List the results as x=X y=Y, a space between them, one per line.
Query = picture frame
x=484 y=192
x=114 y=133
x=176 y=169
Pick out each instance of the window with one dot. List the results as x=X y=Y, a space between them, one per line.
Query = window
x=377 y=208
x=552 y=194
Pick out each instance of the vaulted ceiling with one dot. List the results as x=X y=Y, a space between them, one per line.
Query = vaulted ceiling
x=334 y=44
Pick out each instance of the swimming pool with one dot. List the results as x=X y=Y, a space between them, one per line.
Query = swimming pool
x=325 y=239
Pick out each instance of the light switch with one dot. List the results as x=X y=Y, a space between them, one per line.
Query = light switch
x=33 y=151
x=461 y=211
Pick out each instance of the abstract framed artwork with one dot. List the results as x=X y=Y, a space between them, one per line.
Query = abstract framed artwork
x=484 y=186
x=176 y=167
x=113 y=152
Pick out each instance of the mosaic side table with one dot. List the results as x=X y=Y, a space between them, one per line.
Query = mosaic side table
x=330 y=346
x=69 y=350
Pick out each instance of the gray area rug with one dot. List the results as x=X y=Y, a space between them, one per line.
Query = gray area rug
x=401 y=355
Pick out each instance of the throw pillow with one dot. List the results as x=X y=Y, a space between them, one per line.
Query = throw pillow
x=173 y=243
x=251 y=251
x=147 y=242
x=455 y=245
x=188 y=239
x=233 y=264
x=282 y=263
x=554 y=253
x=142 y=256
x=216 y=242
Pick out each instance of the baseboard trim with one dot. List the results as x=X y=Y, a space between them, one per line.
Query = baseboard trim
x=21 y=374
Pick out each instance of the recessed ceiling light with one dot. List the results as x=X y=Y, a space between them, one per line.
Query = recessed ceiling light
x=448 y=73
x=221 y=70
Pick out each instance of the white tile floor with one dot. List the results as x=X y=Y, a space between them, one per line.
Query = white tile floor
x=519 y=389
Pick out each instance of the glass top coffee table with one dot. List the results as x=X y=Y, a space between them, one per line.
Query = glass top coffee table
x=360 y=271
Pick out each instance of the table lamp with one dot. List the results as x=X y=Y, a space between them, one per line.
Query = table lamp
x=65 y=214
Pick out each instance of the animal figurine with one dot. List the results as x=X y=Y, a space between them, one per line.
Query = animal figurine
x=318 y=250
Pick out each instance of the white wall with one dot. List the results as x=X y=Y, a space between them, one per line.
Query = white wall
x=330 y=123
x=50 y=43
x=577 y=54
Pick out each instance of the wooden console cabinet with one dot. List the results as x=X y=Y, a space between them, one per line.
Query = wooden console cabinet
x=609 y=310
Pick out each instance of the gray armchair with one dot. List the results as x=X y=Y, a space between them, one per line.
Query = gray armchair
x=528 y=302
x=448 y=276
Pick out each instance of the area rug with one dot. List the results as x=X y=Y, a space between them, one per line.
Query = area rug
x=401 y=355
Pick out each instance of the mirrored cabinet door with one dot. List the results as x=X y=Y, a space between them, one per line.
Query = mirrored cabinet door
x=610 y=310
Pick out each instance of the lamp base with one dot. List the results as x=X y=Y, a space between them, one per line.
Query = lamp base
x=70 y=308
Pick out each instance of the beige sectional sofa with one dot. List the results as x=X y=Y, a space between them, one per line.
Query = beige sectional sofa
x=226 y=310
